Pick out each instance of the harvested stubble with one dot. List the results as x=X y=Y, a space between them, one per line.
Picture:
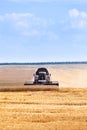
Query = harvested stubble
x=65 y=109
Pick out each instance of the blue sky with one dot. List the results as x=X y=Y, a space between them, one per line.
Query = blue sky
x=43 y=30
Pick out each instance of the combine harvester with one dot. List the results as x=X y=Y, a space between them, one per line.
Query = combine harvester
x=41 y=78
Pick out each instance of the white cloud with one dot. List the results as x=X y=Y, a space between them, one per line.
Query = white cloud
x=15 y=16
x=22 y=24
x=74 y=13
x=27 y=24
x=49 y=34
x=78 y=18
x=31 y=33
x=24 y=19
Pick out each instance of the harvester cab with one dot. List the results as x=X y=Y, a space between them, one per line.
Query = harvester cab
x=42 y=76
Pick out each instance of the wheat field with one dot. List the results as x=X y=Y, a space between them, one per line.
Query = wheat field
x=64 y=108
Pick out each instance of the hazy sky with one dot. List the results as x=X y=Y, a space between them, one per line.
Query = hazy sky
x=43 y=30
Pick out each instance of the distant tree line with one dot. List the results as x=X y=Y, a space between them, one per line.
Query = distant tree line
x=45 y=63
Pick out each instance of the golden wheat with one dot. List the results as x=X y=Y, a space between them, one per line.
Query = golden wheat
x=65 y=109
